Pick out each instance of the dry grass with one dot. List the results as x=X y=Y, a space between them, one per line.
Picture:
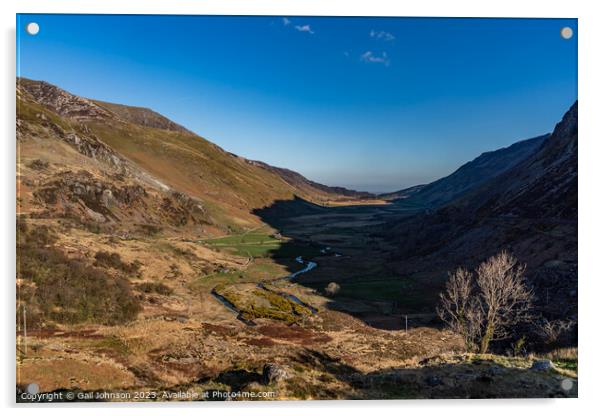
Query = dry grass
x=75 y=371
x=565 y=360
x=185 y=337
x=569 y=353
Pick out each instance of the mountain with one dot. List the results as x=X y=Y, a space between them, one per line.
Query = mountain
x=83 y=146
x=148 y=258
x=59 y=101
x=530 y=210
x=142 y=116
x=470 y=175
x=403 y=194
x=298 y=181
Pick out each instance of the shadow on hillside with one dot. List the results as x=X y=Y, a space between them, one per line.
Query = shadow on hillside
x=476 y=379
x=349 y=256
x=462 y=378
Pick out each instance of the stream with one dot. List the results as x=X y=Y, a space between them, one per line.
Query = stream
x=309 y=265
x=231 y=307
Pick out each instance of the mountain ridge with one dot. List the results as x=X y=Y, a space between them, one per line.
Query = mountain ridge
x=149 y=258
x=297 y=180
x=142 y=116
x=470 y=175
x=529 y=210
x=164 y=154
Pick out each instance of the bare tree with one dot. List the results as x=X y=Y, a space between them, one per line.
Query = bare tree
x=552 y=331
x=506 y=300
x=459 y=307
x=485 y=308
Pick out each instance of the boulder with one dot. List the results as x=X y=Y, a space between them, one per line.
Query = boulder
x=542 y=365
x=273 y=373
x=433 y=381
x=107 y=199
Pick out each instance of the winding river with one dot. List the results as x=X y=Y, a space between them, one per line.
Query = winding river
x=309 y=265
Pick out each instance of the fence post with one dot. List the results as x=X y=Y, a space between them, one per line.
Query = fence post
x=25 y=329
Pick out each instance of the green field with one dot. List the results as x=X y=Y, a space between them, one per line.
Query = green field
x=246 y=245
x=261 y=245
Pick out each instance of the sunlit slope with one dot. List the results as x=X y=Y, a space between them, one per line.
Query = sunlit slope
x=193 y=165
x=141 y=116
x=230 y=186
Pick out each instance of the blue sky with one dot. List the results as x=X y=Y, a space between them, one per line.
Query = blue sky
x=374 y=104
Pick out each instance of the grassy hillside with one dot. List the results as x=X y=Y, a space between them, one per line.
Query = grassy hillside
x=141 y=116
x=229 y=187
x=150 y=259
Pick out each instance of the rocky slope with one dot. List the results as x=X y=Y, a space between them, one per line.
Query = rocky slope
x=141 y=116
x=143 y=149
x=530 y=210
x=470 y=175
x=117 y=261
x=59 y=101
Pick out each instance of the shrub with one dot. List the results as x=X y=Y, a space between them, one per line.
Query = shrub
x=38 y=164
x=552 y=332
x=113 y=260
x=332 y=289
x=153 y=287
x=149 y=229
x=519 y=347
x=67 y=290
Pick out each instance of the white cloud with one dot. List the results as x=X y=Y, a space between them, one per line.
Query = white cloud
x=369 y=56
x=386 y=36
x=300 y=28
x=304 y=28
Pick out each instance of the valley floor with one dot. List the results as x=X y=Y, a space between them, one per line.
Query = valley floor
x=352 y=344
x=151 y=260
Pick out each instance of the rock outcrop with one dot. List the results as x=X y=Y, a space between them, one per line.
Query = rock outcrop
x=274 y=373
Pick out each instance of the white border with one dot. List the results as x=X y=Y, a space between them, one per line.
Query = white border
x=590 y=72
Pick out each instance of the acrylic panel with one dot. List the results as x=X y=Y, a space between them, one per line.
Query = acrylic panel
x=295 y=207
